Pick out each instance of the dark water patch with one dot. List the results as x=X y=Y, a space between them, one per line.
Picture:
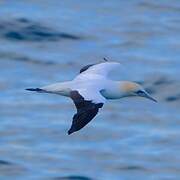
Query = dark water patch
x=72 y=178
x=133 y=168
x=162 y=81
x=159 y=6
x=173 y=98
x=10 y=169
x=2 y=27
x=16 y=57
x=69 y=36
x=26 y=30
x=23 y=20
x=14 y=35
x=6 y=163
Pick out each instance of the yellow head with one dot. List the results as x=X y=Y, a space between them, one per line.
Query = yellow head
x=134 y=89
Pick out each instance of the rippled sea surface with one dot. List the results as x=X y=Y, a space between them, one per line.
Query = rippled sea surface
x=46 y=41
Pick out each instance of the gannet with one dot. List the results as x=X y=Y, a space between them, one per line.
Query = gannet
x=90 y=89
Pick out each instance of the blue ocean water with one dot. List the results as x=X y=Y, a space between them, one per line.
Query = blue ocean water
x=45 y=41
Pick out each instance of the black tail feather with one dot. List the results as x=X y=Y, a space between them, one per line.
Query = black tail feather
x=35 y=89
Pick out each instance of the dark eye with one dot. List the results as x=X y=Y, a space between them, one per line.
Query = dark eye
x=140 y=92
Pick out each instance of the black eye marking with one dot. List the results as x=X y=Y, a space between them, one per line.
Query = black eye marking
x=140 y=92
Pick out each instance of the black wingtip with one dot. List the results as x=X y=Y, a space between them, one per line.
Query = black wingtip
x=34 y=89
x=70 y=132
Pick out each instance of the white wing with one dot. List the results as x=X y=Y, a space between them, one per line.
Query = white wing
x=103 y=68
x=91 y=94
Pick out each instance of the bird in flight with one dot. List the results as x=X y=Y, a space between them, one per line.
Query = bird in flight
x=90 y=89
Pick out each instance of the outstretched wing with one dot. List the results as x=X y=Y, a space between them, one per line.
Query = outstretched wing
x=87 y=108
x=103 y=68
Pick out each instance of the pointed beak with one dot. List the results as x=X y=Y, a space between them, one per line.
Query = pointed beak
x=149 y=97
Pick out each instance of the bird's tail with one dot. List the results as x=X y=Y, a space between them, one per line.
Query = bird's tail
x=35 y=89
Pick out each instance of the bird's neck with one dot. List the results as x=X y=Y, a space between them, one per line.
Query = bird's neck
x=116 y=90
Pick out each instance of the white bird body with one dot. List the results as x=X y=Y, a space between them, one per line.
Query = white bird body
x=92 y=79
x=108 y=88
x=90 y=89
